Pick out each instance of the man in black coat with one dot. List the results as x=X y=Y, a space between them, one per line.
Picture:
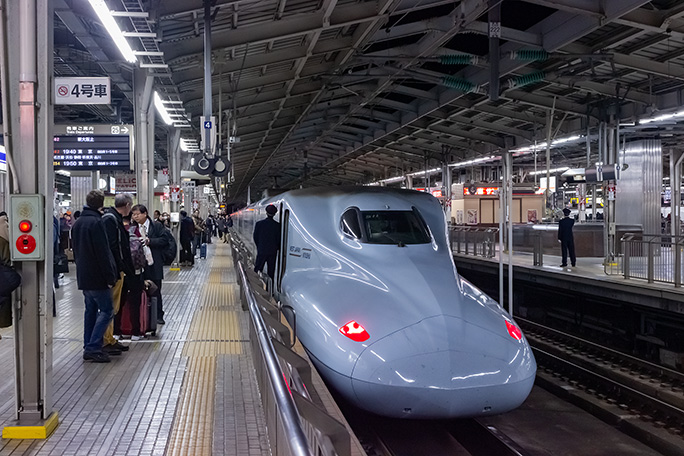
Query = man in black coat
x=120 y=246
x=187 y=234
x=566 y=239
x=267 y=240
x=95 y=274
x=153 y=232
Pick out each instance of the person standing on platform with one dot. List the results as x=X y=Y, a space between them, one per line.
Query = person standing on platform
x=199 y=232
x=153 y=233
x=6 y=262
x=120 y=246
x=267 y=241
x=220 y=226
x=187 y=234
x=566 y=239
x=95 y=274
x=134 y=283
x=209 y=223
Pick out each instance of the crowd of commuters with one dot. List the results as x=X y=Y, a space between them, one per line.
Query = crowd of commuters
x=120 y=252
x=114 y=276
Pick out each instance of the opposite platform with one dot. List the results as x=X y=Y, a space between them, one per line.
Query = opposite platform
x=190 y=390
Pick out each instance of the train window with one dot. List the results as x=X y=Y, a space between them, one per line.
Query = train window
x=349 y=223
x=394 y=227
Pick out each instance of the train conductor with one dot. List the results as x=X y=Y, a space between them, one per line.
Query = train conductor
x=566 y=239
x=267 y=241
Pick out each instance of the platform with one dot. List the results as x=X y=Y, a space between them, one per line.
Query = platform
x=589 y=275
x=190 y=390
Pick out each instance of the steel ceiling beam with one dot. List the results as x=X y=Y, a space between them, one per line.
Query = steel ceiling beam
x=558 y=30
x=297 y=25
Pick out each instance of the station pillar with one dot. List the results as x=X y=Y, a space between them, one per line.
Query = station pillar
x=142 y=87
x=28 y=25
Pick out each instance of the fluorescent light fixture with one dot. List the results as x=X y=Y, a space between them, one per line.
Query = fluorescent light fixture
x=62 y=172
x=426 y=172
x=662 y=117
x=105 y=16
x=542 y=145
x=551 y=171
x=162 y=110
x=473 y=161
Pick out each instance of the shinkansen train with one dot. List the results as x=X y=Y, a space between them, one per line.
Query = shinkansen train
x=381 y=309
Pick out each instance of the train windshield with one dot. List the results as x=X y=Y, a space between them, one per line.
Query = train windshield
x=394 y=227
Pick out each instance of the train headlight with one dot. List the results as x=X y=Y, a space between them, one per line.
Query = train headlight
x=513 y=330
x=355 y=332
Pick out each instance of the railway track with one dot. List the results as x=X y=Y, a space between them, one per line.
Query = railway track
x=467 y=437
x=643 y=399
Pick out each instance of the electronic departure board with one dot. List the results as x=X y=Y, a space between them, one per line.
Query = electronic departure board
x=92 y=147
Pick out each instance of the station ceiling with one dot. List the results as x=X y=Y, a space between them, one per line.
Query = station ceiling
x=331 y=92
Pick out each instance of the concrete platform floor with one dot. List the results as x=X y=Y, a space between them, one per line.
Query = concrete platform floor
x=190 y=390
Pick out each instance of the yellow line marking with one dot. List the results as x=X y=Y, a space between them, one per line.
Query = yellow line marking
x=214 y=330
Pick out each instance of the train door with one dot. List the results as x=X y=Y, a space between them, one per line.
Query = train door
x=284 y=229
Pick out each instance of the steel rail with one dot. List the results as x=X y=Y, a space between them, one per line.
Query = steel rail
x=288 y=411
x=623 y=390
x=606 y=351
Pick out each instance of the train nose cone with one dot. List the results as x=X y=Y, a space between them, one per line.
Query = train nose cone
x=444 y=367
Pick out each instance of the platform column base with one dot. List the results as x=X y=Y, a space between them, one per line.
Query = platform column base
x=39 y=431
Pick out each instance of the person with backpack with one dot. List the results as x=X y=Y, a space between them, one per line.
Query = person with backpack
x=119 y=245
x=155 y=238
x=134 y=283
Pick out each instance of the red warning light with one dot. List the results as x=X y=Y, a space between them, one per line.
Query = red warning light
x=355 y=332
x=513 y=331
x=25 y=226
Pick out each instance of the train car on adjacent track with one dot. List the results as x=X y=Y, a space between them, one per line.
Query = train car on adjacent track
x=381 y=309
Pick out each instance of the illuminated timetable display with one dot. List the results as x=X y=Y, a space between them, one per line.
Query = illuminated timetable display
x=92 y=147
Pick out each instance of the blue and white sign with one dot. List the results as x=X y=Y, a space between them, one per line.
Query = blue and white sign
x=3 y=159
x=207 y=125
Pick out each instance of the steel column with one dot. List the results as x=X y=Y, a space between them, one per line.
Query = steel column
x=142 y=86
x=29 y=28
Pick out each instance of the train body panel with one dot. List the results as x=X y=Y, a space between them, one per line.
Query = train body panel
x=436 y=346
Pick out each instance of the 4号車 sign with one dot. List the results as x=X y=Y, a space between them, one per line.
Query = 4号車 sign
x=95 y=90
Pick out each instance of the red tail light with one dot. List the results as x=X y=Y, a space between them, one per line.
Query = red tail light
x=514 y=331
x=355 y=332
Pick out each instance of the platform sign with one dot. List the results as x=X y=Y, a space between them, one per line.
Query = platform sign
x=93 y=147
x=3 y=159
x=126 y=183
x=91 y=90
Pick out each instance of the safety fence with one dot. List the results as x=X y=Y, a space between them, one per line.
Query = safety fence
x=297 y=423
x=654 y=257
x=474 y=241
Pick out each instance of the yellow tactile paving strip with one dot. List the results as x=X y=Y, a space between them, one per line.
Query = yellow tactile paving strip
x=214 y=331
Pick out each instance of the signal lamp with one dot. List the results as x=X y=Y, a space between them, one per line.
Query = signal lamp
x=513 y=331
x=25 y=226
x=355 y=331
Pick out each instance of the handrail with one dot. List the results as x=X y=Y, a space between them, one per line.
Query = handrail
x=288 y=411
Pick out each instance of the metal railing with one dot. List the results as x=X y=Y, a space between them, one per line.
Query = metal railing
x=654 y=257
x=296 y=420
x=474 y=241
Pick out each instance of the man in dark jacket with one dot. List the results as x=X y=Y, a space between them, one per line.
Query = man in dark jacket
x=267 y=240
x=153 y=232
x=120 y=246
x=187 y=234
x=566 y=239
x=95 y=275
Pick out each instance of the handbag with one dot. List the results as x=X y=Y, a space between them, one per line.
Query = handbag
x=9 y=280
x=61 y=264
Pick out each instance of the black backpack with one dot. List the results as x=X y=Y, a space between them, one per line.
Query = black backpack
x=169 y=252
